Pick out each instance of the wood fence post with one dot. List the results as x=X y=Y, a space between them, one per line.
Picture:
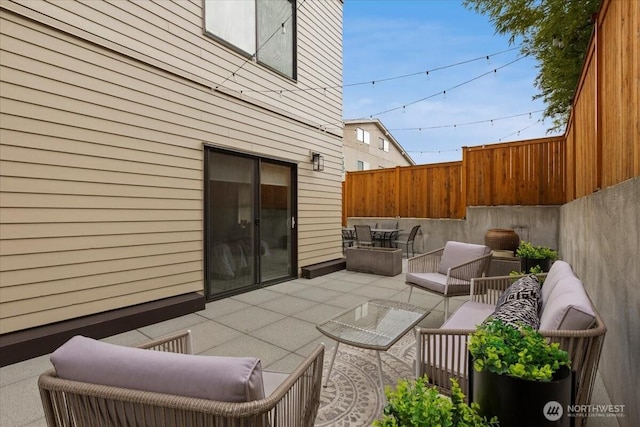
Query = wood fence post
x=463 y=181
x=397 y=191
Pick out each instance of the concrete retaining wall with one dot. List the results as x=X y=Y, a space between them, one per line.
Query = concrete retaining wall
x=600 y=238
x=538 y=224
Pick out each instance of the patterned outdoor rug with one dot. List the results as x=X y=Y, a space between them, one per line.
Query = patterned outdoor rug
x=353 y=396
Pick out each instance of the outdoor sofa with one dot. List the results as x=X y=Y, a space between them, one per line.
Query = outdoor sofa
x=160 y=384
x=567 y=316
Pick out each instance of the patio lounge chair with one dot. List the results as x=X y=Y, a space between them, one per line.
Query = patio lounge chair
x=95 y=383
x=448 y=271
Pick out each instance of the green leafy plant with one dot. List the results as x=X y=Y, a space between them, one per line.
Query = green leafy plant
x=520 y=352
x=528 y=250
x=536 y=269
x=416 y=403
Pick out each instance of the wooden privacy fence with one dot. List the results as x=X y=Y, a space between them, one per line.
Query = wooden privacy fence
x=600 y=148
x=603 y=133
x=520 y=173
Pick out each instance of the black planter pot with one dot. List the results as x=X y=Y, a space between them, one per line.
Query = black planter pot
x=526 y=264
x=522 y=403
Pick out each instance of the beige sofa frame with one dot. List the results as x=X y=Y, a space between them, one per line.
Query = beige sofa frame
x=293 y=403
x=434 y=345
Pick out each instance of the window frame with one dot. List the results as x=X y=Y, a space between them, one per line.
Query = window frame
x=256 y=55
x=365 y=138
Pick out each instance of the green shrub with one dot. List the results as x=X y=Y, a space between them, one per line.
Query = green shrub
x=527 y=250
x=417 y=404
x=520 y=352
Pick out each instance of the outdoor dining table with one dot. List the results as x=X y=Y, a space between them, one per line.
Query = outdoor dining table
x=386 y=234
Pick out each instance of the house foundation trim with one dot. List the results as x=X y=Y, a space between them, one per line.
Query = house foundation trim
x=22 y=345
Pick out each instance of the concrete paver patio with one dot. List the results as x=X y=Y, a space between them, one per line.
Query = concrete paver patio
x=275 y=324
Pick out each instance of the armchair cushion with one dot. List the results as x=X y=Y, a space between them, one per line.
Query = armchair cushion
x=228 y=379
x=568 y=307
x=456 y=253
x=437 y=282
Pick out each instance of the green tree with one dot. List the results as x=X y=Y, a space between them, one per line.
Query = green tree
x=556 y=33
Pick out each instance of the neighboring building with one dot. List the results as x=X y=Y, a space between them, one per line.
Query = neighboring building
x=369 y=145
x=150 y=162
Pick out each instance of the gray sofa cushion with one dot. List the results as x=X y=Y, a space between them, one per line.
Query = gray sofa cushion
x=567 y=307
x=558 y=271
x=468 y=316
x=227 y=379
x=456 y=253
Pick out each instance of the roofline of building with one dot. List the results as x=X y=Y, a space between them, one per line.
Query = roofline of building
x=386 y=132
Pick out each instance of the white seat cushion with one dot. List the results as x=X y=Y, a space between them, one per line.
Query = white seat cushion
x=469 y=315
x=436 y=282
x=227 y=379
x=272 y=380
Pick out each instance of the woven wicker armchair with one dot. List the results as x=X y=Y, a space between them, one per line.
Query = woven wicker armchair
x=293 y=403
x=442 y=354
x=448 y=271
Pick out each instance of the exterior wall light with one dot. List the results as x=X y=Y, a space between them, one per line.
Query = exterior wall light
x=318 y=161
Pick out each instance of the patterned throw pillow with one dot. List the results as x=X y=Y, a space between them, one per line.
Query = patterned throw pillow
x=520 y=303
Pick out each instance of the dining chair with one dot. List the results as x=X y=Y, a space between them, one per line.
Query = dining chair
x=363 y=235
x=348 y=239
x=409 y=242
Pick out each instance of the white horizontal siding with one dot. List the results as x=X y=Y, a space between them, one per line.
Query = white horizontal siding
x=164 y=33
x=101 y=154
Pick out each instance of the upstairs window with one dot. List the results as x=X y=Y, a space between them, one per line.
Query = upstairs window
x=264 y=28
x=362 y=165
x=363 y=136
x=383 y=144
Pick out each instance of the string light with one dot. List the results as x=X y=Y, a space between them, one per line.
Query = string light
x=387 y=79
x=520 y=130
x=451 y=88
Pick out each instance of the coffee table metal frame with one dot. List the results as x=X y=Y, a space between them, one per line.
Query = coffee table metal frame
x=374 y=325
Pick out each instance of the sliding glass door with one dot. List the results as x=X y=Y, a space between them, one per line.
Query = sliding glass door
x=249 y=222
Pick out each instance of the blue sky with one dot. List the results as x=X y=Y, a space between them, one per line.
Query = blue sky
x=389 y=38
